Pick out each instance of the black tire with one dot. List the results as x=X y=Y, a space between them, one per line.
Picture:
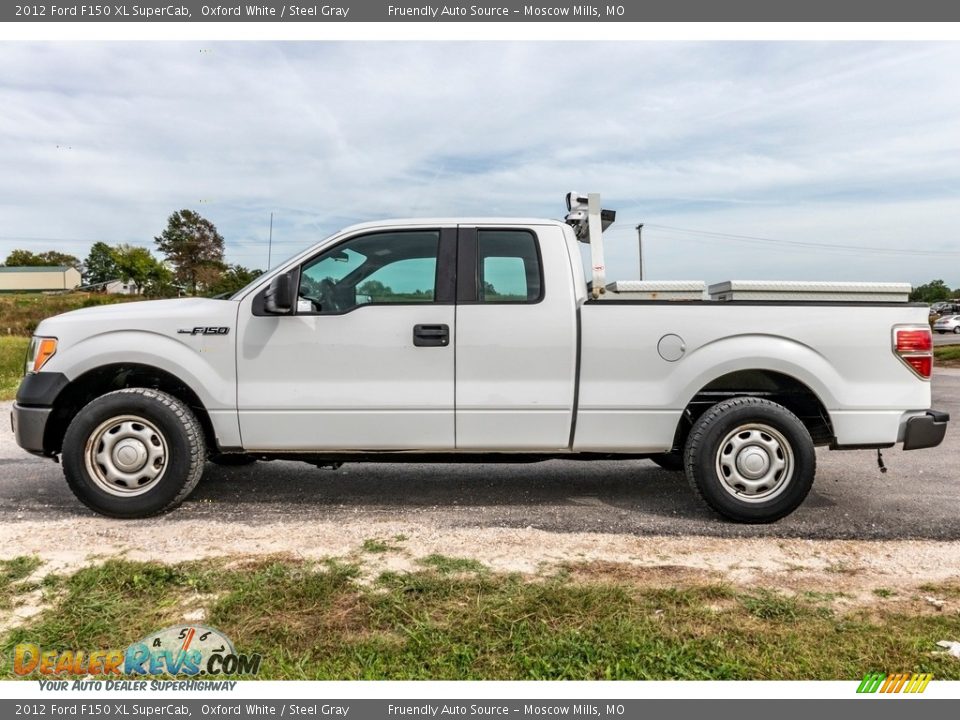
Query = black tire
x=155 y=420
x=671 y=462
x=956 y=330
x=769 y=431
x=232 y=459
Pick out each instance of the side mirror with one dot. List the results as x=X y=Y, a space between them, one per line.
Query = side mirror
x=278 y=298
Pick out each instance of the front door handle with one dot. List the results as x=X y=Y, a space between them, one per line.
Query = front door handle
x=431 y=335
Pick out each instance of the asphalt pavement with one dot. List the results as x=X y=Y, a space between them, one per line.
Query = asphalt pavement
x=917 y=498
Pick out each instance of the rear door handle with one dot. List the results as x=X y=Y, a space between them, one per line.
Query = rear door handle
x=431 y=335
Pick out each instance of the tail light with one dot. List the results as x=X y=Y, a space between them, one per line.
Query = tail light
x=914 y=346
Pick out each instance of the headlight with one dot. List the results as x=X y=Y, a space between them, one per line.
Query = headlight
x=41 y=349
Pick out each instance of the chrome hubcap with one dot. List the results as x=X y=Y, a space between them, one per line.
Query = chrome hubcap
x=126 y=455
x=754 y=463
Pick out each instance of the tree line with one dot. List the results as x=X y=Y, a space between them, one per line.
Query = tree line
x=193 y=261
x=934 y=291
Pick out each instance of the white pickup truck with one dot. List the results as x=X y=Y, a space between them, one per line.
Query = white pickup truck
x=473 y=340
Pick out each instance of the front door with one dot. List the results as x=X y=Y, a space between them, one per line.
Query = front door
x=366 y=361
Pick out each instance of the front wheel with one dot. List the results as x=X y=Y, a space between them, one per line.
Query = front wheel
x=133 y=453
x=956 y=330
x=750 y=459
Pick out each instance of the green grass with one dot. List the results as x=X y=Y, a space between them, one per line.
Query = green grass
x=13 y=350
x=12 y=574
x=376 y=546
x=452 y=565
x=949 y=590
x=320 y=622
x=947 y=355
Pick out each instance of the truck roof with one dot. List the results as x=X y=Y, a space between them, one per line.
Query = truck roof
x=450 y=222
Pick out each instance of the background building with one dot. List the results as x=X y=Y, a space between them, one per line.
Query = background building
x=36 y=279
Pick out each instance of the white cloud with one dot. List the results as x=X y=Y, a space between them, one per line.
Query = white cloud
x=853 y=143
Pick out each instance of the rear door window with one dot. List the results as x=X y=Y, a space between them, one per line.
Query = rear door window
x=509 y=267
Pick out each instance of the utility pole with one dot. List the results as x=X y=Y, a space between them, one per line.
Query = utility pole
x=640 y=245
x=270 y=243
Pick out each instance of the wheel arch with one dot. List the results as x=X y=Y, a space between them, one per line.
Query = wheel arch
x=774 y=385
x=116 y=376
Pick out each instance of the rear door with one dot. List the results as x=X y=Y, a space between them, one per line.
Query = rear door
x=516 y=339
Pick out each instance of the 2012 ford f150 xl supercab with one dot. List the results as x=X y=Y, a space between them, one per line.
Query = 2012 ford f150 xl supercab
x=474 y=340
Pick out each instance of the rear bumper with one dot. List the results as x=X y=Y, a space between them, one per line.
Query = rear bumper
x=924 y=431
x=29 y=425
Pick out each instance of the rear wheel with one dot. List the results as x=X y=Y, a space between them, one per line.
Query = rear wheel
x=133 y=453
x=956 y=330
x=750 y=459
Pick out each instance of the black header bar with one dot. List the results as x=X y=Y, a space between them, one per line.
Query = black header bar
x=188 y=11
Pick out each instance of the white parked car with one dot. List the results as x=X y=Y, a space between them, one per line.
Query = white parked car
x=472 y=339
x=947 y=323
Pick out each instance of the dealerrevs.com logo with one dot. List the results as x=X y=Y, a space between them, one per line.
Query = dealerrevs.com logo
x=191 y=650
x=896 y=683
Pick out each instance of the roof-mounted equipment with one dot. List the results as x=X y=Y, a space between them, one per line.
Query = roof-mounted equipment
x=588 y=221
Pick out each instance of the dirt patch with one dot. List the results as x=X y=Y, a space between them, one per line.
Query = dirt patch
x=655 y=576
x=849 y=571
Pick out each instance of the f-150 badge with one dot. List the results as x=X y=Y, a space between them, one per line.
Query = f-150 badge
x=210 y=330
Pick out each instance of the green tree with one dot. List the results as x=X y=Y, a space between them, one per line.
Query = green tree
x=193 y=246
x=232 y=279
x=376 y=290
x=54 y=257
x=101 y=265
x=931 y=292
x=138 y=266
x=22 y=258
x=25 y=258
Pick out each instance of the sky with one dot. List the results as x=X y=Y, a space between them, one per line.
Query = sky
x=744 y=160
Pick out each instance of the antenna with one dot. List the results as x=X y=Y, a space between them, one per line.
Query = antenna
x=640 y=246
x=270 y=243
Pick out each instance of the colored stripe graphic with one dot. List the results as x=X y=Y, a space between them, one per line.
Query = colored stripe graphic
x=897 y=683
x=921 y=683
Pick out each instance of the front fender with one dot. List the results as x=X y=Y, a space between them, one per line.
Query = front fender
x=206 y=365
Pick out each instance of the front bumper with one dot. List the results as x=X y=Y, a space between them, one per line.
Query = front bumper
x=29 y=425
x=31 y=411
x=924 y=431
